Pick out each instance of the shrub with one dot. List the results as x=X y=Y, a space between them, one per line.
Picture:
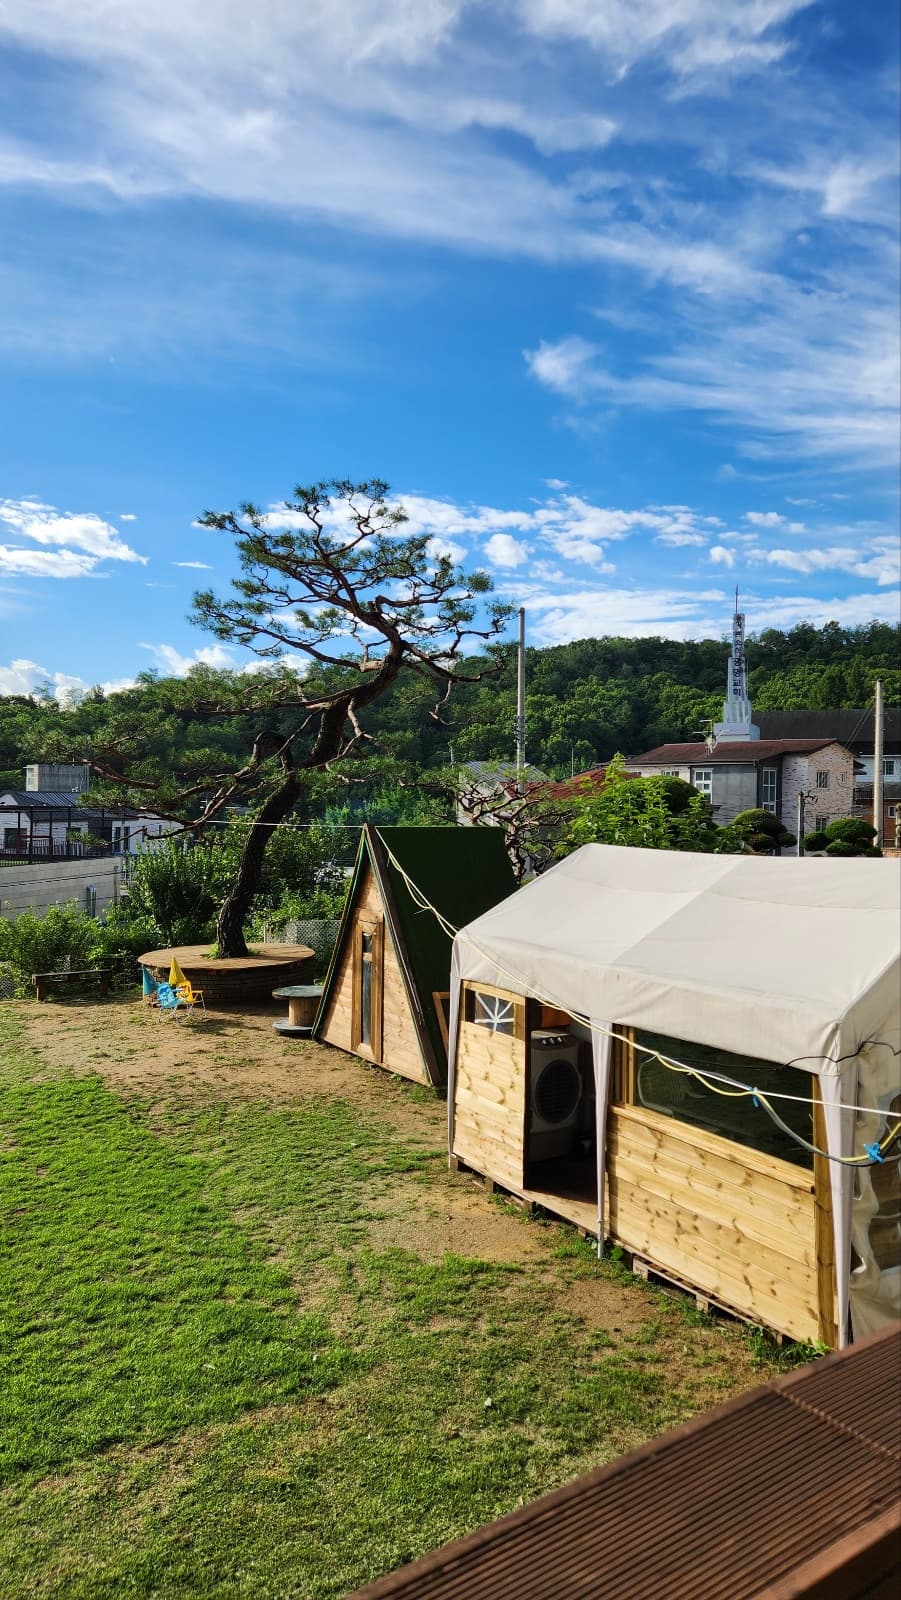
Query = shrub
x=121 y=937
x=65 y=936
x=841 y=847
x=814 y=842
x=853 y=830
x=762 y=830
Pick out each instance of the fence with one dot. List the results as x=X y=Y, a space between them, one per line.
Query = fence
x=320 y=933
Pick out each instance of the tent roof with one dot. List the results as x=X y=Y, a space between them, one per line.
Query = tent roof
x=461 y=871
x=776 y=958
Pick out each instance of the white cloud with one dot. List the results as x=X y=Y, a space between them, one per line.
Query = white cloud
x=503 y=550
x=26 y=677
x=451 y=548
x=588 y=613
x=127 y=516
x=881 y=561
x=74 y=544
x=773 y=519
x=687 y=613
x=722 y=556
x=676 y=539
x=567 y=366
x=177 y=665
x=46 y=563
x=201 y=566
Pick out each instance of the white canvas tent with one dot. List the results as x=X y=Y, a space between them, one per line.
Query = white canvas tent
x=786 y=960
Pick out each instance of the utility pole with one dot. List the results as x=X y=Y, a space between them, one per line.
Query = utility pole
x=521 y=704
x=801 y=798
x=878 y=749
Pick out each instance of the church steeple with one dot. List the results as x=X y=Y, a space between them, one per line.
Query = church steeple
x=736 y=723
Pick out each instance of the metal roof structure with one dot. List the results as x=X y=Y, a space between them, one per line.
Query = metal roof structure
x=790 y=1492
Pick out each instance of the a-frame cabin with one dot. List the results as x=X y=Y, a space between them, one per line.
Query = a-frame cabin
x=385 y=996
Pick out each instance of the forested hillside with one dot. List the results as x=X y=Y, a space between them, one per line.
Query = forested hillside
x=586 y=700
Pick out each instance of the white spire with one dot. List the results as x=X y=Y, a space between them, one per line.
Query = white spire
x=737 y=714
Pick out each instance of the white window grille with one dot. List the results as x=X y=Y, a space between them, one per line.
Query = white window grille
x=702 y=778
x=769 y=784
x=888 y=768
x=822 y=778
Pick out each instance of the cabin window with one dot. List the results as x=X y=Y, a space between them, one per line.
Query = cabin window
x=494 y=1012
x=675 y=1094
x=367 y=987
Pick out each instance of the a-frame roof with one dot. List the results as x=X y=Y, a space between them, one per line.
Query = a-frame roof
x=462 y=872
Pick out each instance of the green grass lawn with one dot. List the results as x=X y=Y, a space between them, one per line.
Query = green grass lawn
x=212 y=1385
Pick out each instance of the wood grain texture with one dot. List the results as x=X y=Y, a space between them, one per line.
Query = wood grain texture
x=489 y=1101
x=737 y=1224
x=400 y=1051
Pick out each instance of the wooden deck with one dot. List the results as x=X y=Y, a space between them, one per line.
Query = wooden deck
x=235 y=979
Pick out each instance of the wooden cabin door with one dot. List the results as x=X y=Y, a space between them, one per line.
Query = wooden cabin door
x=368 y=985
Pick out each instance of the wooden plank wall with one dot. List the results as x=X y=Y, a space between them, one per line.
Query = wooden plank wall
x=734 y=1223
x=400 y=1045
x=489 y=1101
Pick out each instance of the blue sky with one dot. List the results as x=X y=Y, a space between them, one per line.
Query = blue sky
x=607 y=291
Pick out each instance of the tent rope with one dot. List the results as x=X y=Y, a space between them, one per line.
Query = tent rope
x=737 y=1090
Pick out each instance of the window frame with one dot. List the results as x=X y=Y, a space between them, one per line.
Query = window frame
x=822 y=778
x=770 y=804
x=624 y=1092
x=371 y=925
x=702 y=780
x=470 y=994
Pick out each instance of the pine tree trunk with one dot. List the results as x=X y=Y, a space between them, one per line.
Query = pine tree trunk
x=230 y=926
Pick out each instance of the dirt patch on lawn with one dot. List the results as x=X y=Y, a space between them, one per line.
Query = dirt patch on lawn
x=229 y=1054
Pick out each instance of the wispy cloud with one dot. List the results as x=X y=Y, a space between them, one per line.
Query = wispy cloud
x=200 y=566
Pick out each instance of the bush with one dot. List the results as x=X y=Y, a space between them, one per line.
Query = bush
x=815 y=841
x=64 y=936
x=762 y=830
x=841 y=847
x=121 y=937
x=853 y=830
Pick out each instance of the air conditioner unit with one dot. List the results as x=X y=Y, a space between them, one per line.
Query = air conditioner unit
x=555 y=1093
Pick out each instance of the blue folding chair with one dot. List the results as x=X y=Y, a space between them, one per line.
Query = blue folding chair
x=169 y=1000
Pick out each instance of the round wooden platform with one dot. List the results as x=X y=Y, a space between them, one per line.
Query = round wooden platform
x=233 y=980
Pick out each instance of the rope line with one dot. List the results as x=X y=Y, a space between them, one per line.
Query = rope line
x=736 y=1090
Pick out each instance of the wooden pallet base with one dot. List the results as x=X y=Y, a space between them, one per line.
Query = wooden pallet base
x=647 y=1270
